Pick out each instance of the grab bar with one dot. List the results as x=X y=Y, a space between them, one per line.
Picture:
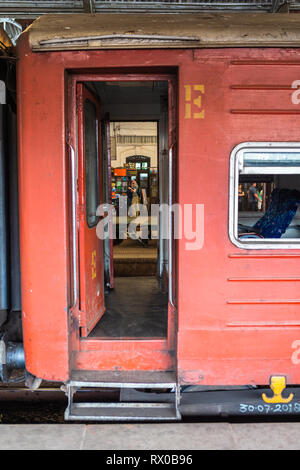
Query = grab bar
x=170 y=244
x=74 y=226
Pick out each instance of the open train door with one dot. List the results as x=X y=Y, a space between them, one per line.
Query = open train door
x=91 y=263
x=172 y=197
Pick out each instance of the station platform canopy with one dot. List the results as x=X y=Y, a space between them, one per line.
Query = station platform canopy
x=221 y=25
x=32 y=9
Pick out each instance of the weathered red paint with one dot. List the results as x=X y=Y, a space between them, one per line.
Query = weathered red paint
x=238 y=311
x=90 y=246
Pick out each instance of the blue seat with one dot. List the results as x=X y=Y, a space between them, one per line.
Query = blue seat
x=280 y=213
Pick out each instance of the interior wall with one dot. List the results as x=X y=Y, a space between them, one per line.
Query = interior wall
x=120 y=151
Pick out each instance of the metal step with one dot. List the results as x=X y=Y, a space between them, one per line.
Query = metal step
x=122 y=411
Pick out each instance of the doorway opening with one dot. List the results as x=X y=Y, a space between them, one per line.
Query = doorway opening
x=134 y=184
x=134 y=165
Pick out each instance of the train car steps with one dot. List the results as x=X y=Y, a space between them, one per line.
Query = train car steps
x=122 y=411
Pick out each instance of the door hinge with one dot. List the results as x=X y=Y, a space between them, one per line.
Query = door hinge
x=80 y=316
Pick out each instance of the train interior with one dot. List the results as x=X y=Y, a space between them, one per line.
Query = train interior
x=268 y=203
x=134 y=127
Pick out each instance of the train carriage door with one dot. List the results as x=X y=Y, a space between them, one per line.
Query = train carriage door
x=172 y=179
x=89 y=189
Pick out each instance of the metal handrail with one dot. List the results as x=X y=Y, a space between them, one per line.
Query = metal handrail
x=170 y=244
x=74 y=225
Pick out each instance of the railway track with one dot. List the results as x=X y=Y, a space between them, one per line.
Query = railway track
x=47 y=404
x=19 y=405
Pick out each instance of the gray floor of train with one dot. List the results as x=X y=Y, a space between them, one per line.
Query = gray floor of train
x=136 y=307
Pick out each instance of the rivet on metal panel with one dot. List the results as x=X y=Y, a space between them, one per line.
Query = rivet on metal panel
x=277 y=385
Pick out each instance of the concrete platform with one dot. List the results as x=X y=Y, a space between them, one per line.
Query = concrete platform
x=135 y=437
x=131 y=258
x=132 y=250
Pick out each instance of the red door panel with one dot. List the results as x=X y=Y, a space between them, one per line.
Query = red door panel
x=89 y=186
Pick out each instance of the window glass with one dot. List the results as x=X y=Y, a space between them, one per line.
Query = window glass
x=265 y=195
x=91 y=162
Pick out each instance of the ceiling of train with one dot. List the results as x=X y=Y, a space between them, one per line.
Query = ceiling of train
x=131 y=92
x=122 y=100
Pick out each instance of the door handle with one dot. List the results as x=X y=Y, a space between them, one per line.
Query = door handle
x=170 y=246
x=100 y=217
x=74 y=226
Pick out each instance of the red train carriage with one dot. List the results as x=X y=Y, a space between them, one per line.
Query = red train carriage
x=220 y=308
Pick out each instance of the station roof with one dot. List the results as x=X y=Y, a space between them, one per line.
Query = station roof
x=33 y=9
x=111 y=31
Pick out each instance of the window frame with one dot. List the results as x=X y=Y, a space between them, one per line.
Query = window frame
x=254 y=244
x=91 y=212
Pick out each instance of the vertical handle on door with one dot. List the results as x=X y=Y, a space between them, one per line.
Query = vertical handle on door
x=74 y=225
x=170 y=245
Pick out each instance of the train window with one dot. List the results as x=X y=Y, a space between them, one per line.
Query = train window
x=91 y=162
x=265 y=195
